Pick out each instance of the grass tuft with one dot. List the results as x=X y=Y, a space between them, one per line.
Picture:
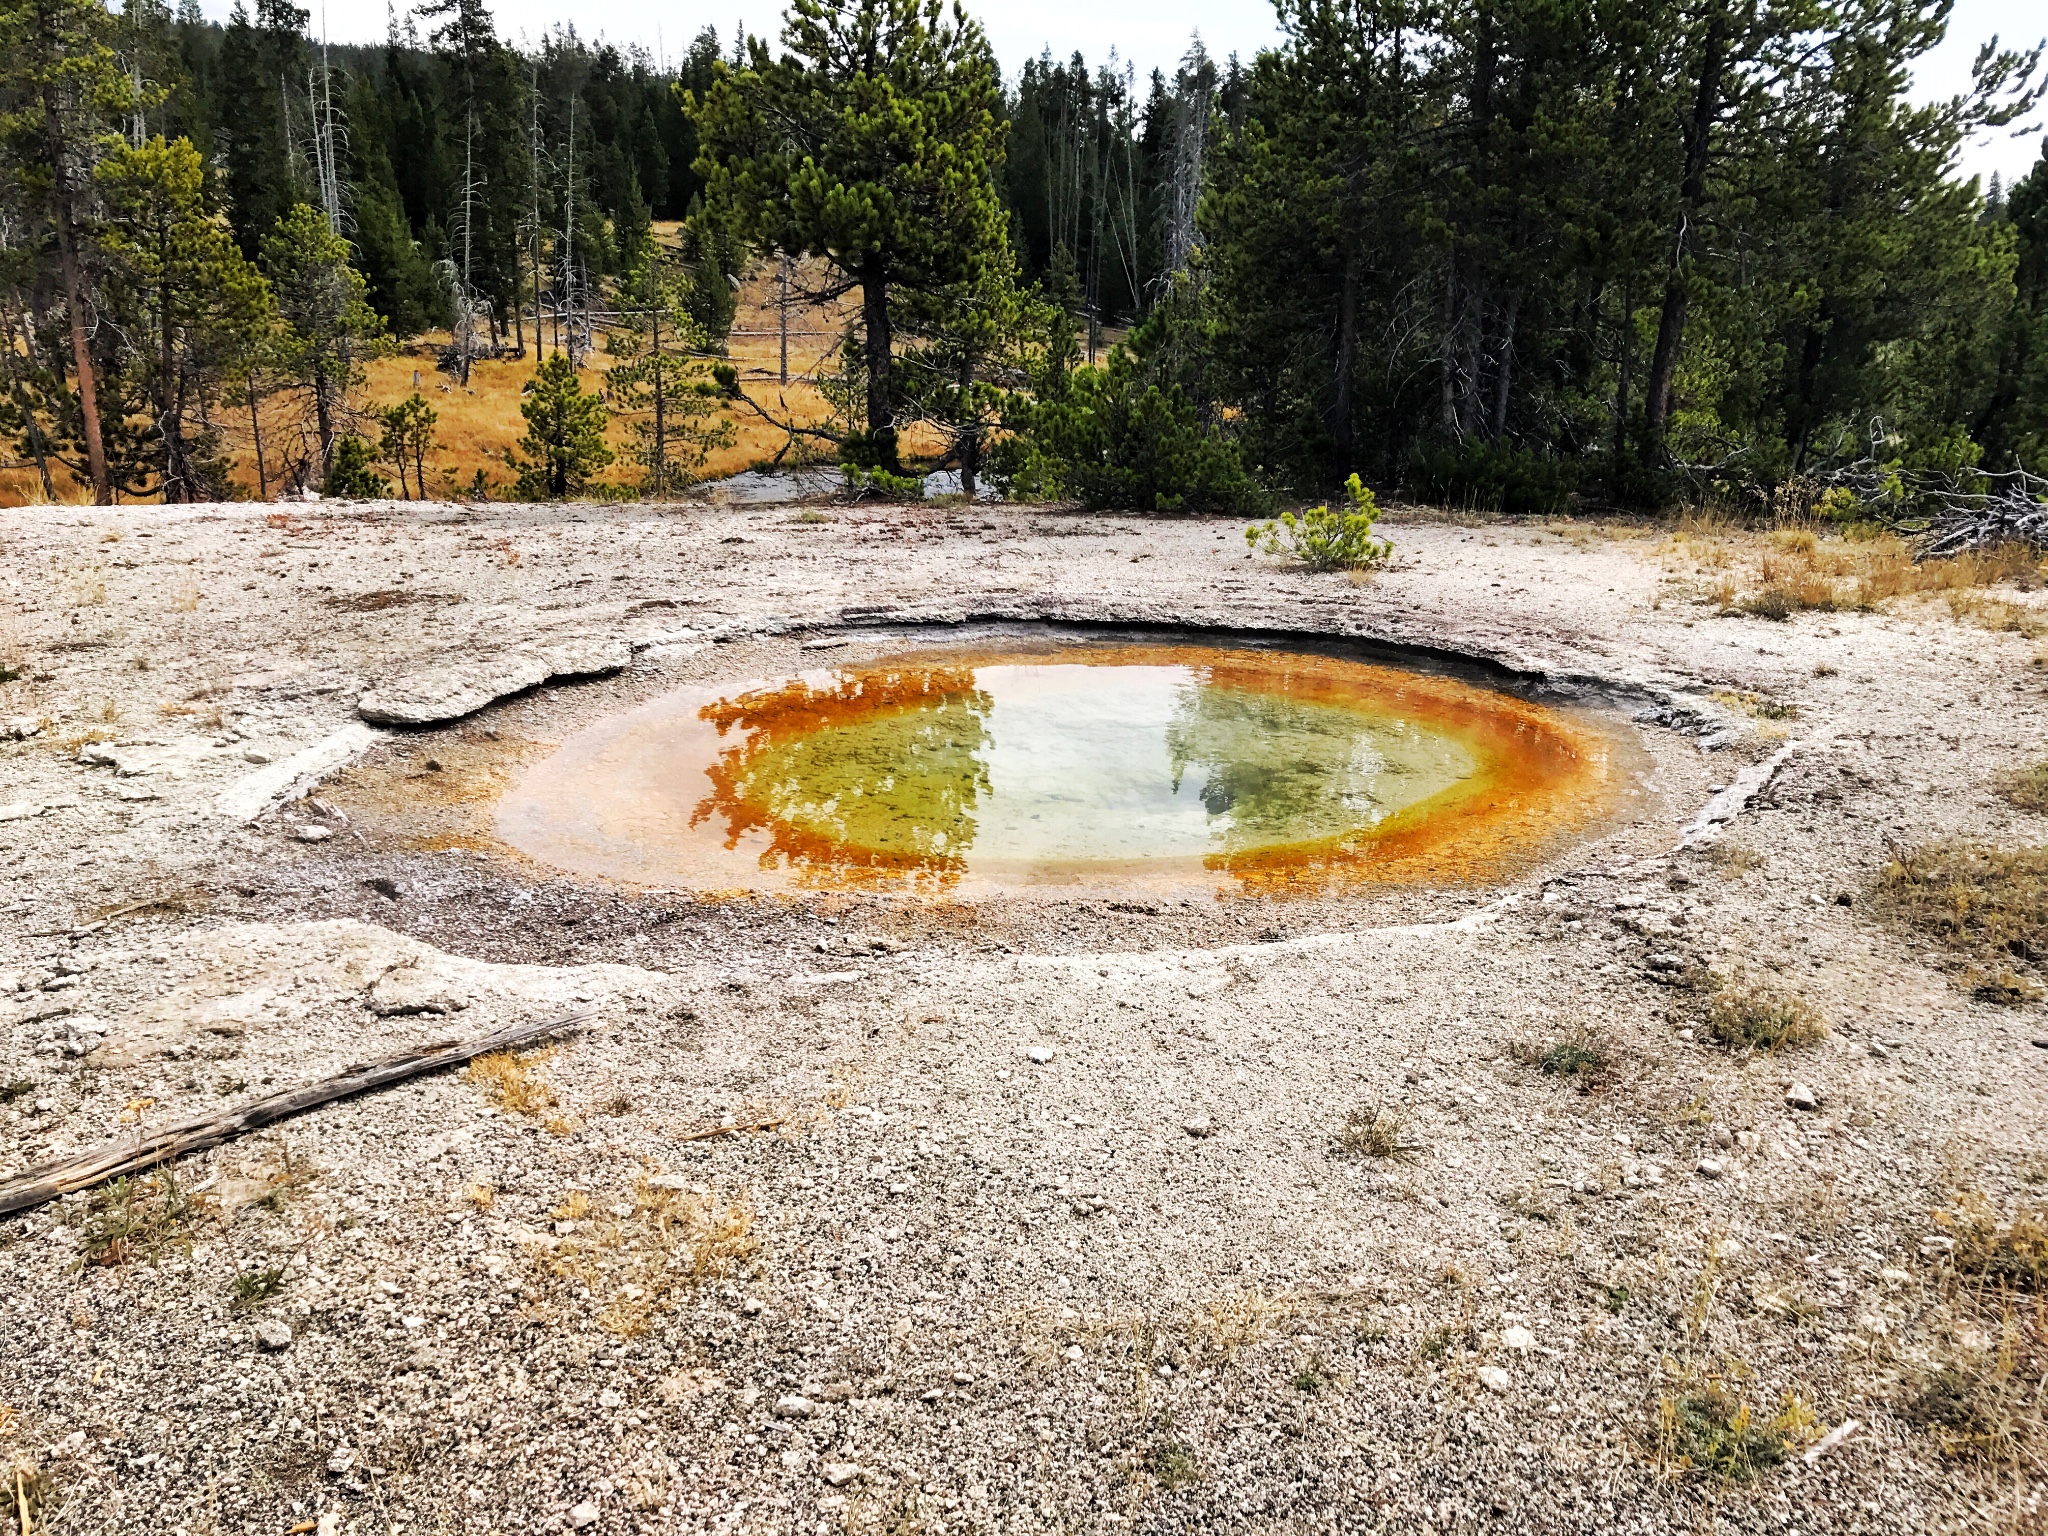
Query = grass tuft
x=1587 y=1062
x=2011 y=1252
x=1745 y=1015
x=1715 y=1433
x=508 y=1077
x=136 y=1218
x=2027 y=789
x=1375 y=1130
x=1988 y=904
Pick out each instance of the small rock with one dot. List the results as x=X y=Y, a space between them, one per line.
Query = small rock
x=1878 y=1050
x=255 y=755
x=313 y=834
x=1723 y=1137
x=1199 y=1128
x=1709 y=1168
x=405 y=989
x=273 y=1333
x=584 y=1514
x=1493 y=1378
x=20 y=728
x=1751 y=1142
x=1520 y=1340
x=839 y=1473
x=1717 y=741
x=20 y=810
x=1799 y=1096
x=1041 y=1054
x=794 y=1407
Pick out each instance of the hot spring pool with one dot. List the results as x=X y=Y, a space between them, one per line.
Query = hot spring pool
x=1063 y=765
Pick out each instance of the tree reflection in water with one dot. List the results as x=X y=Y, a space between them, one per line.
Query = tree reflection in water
x=896 y=797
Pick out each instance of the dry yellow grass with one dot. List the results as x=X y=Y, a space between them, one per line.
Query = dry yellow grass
x=508 y=1077
x=480 y=422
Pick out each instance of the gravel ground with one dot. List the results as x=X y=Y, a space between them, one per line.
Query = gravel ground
x=1012 y=1215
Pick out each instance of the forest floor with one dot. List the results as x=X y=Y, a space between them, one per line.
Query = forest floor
x=1405 y=1209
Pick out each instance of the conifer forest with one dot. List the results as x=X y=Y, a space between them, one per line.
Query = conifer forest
x=1501 y=253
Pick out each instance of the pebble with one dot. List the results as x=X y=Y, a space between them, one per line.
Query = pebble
x=20 y=728
x=794 y=1407
x=1199 y=1128
x=1493 y=1378
x=1709 y=1168
x=274 y=1333
x=255 y=755
x=584 y=1514
x=1520 y=1340
x=313 y=834
x=840 y=1473
x=1799 y=1096
x=1041 y=1054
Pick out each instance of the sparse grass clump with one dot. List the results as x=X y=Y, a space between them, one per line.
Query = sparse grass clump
x=258 y=1285
x=1579 y=1057
x=1745 y=1015
x=2027 y=789
x=1988 y=904
x=136 y=1218
x=508 y=1077
x=2011 y=1253
x=1375 y=1130
x=635 y=1257
x=1736 y=860
x=1714 y=1432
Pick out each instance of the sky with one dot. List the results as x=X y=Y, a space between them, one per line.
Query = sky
x=1144 y=32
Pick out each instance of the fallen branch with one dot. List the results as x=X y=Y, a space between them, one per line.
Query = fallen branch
x=705 y=1133
x=35 y=1186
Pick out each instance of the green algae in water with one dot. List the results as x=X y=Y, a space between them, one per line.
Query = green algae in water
x=1067 y=763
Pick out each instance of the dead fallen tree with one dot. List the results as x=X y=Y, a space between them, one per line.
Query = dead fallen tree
x=50 y=1181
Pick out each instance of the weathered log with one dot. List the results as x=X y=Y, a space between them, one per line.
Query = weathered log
x=49 y=1181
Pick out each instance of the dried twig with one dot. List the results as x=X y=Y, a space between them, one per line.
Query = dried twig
x=707 y=1132
x=35 y=1186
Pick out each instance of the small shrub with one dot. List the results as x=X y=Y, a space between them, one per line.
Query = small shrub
x=1714 y=1432
x=1747 y=1016
x=1375 y=1130
x=1324 y=540
x=350 y=476
x=1172 y=1464
x=880 y=485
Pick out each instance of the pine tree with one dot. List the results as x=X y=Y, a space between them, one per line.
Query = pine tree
x=408 y=438
x=873 y=144
x=192 y=312
x=329 y=330
x=62 y=90
x=263 y=68
x=564 y=437
x=660 y=379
